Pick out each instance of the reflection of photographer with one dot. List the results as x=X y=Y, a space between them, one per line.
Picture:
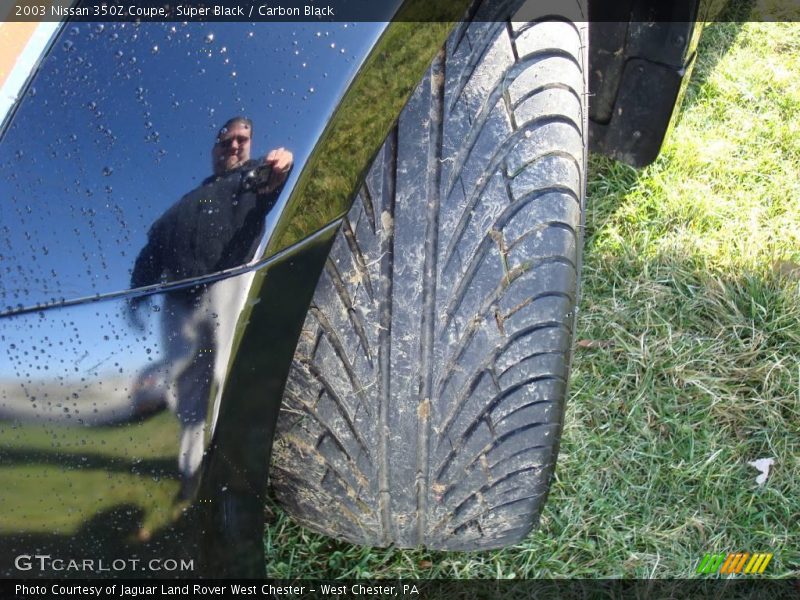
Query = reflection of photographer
x=232 y=151
x=216 y=226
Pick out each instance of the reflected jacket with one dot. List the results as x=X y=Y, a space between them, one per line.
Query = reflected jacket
x=216 y=226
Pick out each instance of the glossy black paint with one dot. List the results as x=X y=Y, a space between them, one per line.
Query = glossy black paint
x=106 y=485
x=93 y=466
x=119 y=123
x=232 y=495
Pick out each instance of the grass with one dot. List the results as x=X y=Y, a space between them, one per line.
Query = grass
x=688 y=357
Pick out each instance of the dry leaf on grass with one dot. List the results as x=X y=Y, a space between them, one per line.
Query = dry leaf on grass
x=589 y=344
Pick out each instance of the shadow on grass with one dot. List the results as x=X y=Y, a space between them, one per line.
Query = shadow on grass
x=609 y=183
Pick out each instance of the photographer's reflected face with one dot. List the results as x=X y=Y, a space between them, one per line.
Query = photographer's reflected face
x=232 y=147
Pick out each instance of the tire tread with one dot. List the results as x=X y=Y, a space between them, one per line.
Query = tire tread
x=439 y=339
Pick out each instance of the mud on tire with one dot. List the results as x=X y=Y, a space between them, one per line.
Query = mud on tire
x=426 y=398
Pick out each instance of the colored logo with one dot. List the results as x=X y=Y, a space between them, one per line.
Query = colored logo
x=734 y=563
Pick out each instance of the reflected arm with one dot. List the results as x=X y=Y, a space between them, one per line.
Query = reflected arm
x=148 y=267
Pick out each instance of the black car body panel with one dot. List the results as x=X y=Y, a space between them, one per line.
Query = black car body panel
x=88 y=471
x=92 y=466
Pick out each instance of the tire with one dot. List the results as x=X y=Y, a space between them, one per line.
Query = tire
x=426 y=398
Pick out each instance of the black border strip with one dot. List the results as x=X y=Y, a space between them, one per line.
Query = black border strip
x=409 y=589
x=255 y=11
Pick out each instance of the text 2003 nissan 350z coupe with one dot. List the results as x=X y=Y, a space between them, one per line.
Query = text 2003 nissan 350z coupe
x=358 y=240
